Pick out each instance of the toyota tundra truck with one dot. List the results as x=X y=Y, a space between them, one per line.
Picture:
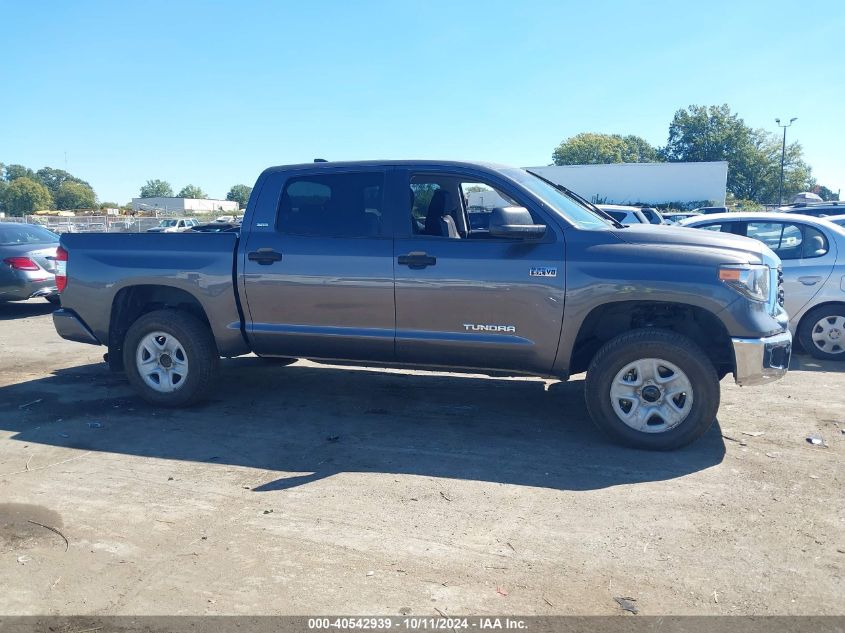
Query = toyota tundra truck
x=377 y=263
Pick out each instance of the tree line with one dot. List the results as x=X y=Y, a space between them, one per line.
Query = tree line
x=24 y=191
x=707 y=133
x=163 y=189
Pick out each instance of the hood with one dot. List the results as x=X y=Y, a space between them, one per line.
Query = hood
x=652 y=234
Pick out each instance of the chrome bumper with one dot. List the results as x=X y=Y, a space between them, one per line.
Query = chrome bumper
x=761 y=360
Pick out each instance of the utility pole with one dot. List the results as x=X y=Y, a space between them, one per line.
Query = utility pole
x=783 y=155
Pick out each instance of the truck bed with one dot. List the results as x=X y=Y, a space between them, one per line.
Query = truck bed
x=103 y=266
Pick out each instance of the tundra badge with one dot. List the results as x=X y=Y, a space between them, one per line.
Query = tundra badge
x=476 y=327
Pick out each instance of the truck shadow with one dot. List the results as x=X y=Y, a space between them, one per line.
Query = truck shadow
x=303 y=423
x=802 y=361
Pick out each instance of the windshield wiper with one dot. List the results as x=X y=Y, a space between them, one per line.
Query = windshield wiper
x=584 y=202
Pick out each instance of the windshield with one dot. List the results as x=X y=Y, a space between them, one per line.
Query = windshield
x=168 y=223
x=26 y=234
x=572 y=210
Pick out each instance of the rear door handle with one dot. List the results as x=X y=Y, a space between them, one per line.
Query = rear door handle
x=265 y=256
x=417 y=260
x=810 y=280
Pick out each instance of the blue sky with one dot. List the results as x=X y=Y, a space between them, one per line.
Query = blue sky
x=210 y=93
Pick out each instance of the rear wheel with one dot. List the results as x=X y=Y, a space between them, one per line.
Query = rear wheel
x=170 y=358
x=652 y=389
x=822 y=332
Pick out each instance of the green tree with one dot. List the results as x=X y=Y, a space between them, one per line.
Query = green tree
x=157 y=189
x=714 y=133
x=240 y=194
x=75 y=195
x=826 y=194
x=53 y=179
x=25 y=195
x=589 y=148
x=13 y=172
x=706 y=133
x=191 y=191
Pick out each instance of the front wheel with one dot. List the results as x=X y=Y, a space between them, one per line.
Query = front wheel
x=170 y=358
x=652 y=389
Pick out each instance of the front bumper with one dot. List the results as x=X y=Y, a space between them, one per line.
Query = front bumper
x=761 y=360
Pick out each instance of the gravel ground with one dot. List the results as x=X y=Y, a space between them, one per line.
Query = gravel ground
x=323 y=489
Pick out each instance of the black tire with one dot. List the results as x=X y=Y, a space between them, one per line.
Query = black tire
x=808 y=324
x=669 y=346
x=199 y=348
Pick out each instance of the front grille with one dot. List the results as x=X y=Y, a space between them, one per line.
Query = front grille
x=780 y=286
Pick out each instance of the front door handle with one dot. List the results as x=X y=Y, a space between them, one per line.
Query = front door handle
x=417 y=260
x=810 y=280
x=264 y=256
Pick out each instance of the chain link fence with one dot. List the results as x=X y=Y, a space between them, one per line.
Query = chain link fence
x=99 y=223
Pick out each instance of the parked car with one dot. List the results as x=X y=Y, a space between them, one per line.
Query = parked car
x=225 y=219
x=652 y=215
x=330 y=264
x=27 y=262
x=813 y=254
x=709 y=210
x=625 y=215
x=816 y=209
x=674 y=218
x=173 y=225
x=213 y=227
x=479 y=218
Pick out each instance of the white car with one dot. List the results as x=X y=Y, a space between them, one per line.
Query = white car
x=812 y=251
x=173 y=225
x=623 y=214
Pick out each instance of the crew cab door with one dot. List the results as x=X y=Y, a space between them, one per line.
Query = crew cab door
x=317 y=266
x=464 y=298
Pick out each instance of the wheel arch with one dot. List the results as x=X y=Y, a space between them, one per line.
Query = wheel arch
x=132 y=302
x=608 y=320
x=824 y=304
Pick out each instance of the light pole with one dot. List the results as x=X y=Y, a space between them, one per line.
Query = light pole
x=783 y=154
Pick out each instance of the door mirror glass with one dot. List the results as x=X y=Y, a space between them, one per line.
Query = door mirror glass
x=514 y=222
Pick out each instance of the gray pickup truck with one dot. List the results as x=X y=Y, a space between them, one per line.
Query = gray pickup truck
x=377 y=263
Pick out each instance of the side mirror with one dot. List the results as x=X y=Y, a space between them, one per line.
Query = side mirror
x=514 y=222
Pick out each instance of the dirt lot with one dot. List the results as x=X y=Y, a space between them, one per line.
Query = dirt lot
x=321 y=489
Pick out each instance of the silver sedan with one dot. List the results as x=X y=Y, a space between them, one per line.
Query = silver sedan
x=27 y=262
x=813 y=254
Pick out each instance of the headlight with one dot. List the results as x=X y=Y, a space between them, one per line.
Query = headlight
x=750 y=280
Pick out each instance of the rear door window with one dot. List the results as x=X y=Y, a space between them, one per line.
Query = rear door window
x=710 y=227
x=333 y=205
x=784 y=238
